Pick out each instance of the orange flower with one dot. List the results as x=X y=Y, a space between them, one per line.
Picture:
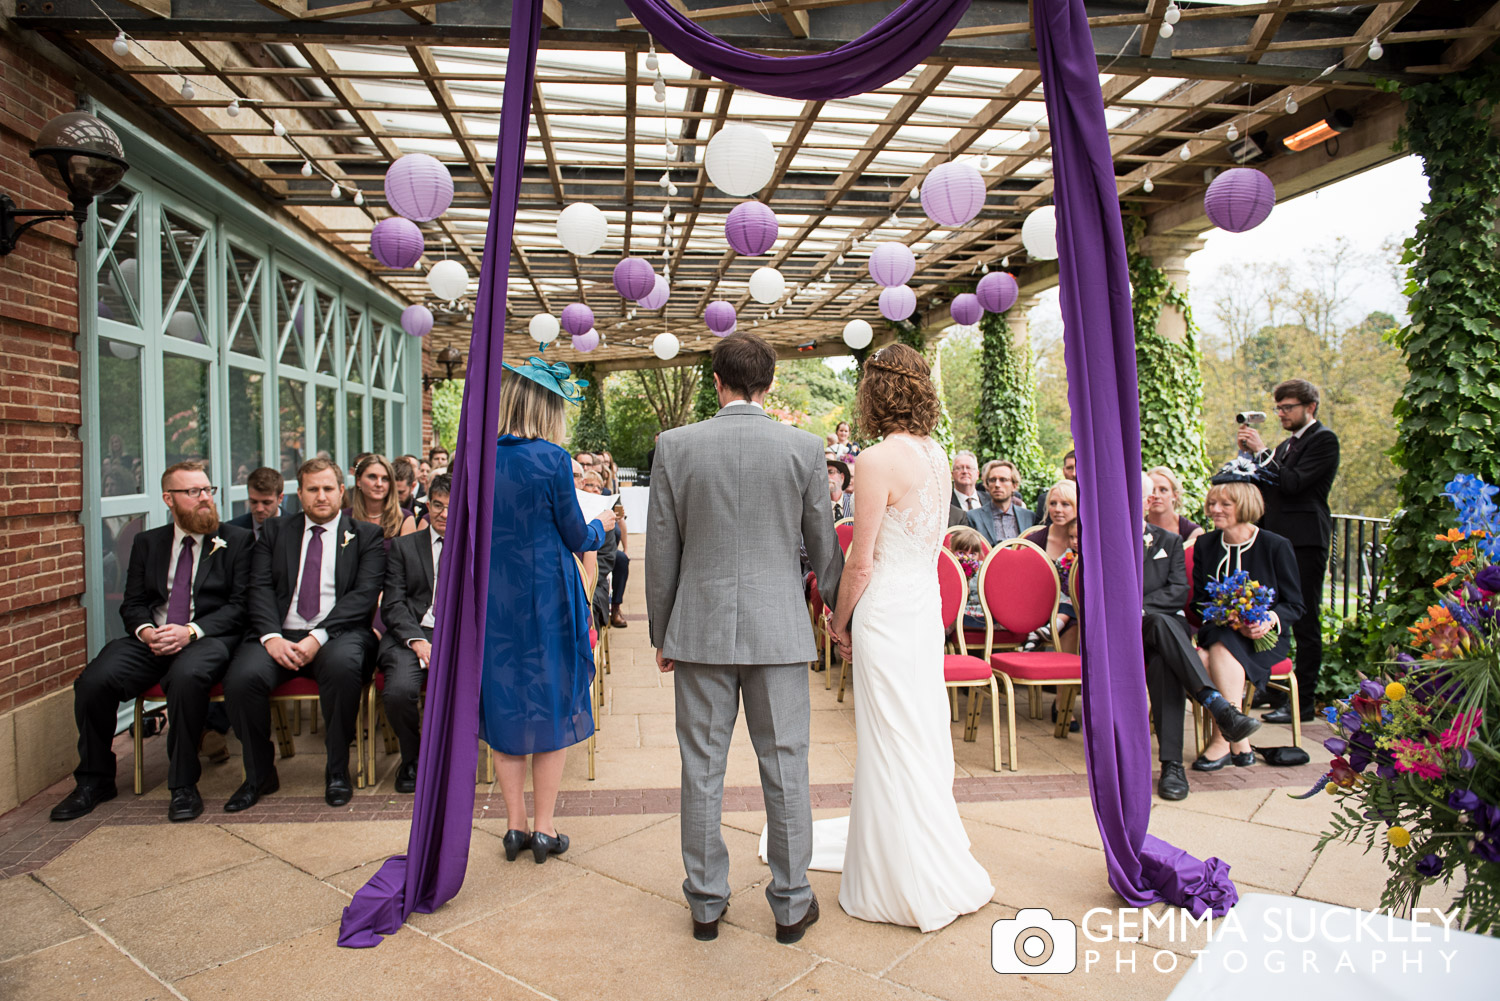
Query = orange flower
x=1461 y=557
x=1454 y=535
x=1445 y=580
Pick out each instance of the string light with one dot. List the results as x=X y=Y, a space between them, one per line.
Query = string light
x=337 y=192
x=1005 y=261
x=916 y=191
x=306 y=168
x=1033 y=134
x=1231 y=133
x=1376 y=49
x=1149 y=186
x=1291 y=105
x=187 y=90
x=1173 y=13
x=359 y=197
x=1186 y=153
x=672 y=189
x=665 y=181
x=121 y=45
x=1167 y=31
x=651 y=61
x=984 y=162
x=233 y=109
x=277 y=129
x=671 y=148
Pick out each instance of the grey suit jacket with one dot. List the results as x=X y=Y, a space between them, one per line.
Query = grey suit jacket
x=731 y=499
x=982 y=519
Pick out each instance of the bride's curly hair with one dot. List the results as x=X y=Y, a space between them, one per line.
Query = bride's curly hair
x=896 y=393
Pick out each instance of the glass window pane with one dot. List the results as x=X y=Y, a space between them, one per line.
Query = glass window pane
x=327 y=403
x=398 y=428
x=246 y=410
x=377 y=423
x=398 y=341
x=242 y=284
x=327 y=333
x=185 y=413
x=119 y=247
x=377 y=357
x=120 y=421
x=354 y=363
x=289 y=318
x=184 y=277
x=293 y=425
x=116 y=535
x=356 y=420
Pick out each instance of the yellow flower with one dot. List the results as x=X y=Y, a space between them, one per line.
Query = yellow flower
x=1395 y=691
x=1331 y=789
x=1399 y=837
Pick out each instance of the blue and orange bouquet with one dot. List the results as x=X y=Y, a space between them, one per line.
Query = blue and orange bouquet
x=1236 y=601
x=1416 y=766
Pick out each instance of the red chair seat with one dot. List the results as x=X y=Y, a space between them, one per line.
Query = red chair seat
x=1039 y=666
x=295 y=686
x=959 y=667
x=155 y=694
x=1283 y=669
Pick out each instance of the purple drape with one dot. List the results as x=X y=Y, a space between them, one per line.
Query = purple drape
x=905 y=37
x=432 y=870
x=1099 y=348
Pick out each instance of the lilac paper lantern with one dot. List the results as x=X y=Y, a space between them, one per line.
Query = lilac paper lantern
x=577 y=319
x=586 y=341
x=966 y=309
x=997 y=292
x=891 y=264
x=634 y=278
x=751 y=228
x=419 y=187
x=396 y=243
x=953 y=193
x=897 y=302
x=720 y=317
x=1239 y=199
x=658 y=296
x=416 y=320
x=725 y=333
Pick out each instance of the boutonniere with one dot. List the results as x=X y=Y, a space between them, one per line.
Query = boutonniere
x=348 y=538
x=1146 y=538
x=218 y=545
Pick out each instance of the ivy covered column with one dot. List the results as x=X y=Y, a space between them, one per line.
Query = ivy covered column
x=706 y=403
x=591 y=433
x=1007 y=395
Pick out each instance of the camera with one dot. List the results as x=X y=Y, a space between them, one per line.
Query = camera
x=1034 y=942
x=1250 y=417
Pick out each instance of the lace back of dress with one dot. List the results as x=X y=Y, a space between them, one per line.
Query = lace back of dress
x=920 y=513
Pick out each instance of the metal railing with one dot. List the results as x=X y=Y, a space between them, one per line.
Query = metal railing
x=1355 y=558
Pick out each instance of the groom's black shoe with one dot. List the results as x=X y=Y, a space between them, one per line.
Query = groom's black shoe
x=791 y=934
x=707 y=931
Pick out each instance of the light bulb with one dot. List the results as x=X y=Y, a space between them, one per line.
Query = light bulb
x=1033 y=134
x=984 y=269
x=1185 y=153
x=1167 y=31
x=916 y=191
x=666 y=211
x=664 y=181
x=893 y=220
x=1231 y=133
x=233 y=109
x=306 y=168
x=277 y=129
x=1149 y=186
x=121 y=45
x=1327 y=70
x=672 y=189
x=187 y=90
x=1005 y=262
x=984 y=162
x=359 y=197
x=671 y=148
x=1291 y=105
x=336 y=192
x=1173 y=14
x=651 y=61
x=841 y=259
x=1376 y=49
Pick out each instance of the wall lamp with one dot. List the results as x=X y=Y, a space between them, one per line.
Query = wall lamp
x=448 y=358
x=1319 y=132
x=77 y=153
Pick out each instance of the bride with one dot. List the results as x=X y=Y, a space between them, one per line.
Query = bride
x=906 y=860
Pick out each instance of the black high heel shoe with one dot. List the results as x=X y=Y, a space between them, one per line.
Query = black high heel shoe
x=543 y=845
x=515 y=842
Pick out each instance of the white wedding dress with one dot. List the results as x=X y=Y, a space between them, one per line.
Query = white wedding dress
x=906 y=860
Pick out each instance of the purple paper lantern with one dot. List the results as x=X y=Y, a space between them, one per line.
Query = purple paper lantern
x=634 y=278
x=953 y=193
x=396 y=243
x=586 y=341
x=966 y=309
x=416 y=320
x=577 y=318
x=997 y=292
x=106 y=313
x=897 y=302
x=891 y=264
x=1239 y=199
x=658 y=296
x=751 y=228
x=725 y=333
x=419 y=187
x=720 y=317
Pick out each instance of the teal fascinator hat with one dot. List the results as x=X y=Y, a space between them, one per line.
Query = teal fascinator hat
x=554 y=376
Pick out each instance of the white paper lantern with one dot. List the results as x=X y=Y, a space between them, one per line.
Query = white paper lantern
x=1039 y=234
x=740 y=159
x=123 y=350
x=582 y=228
x=543 y=328
x=767 y=285
x=858 y=334
x=184 y=324
x=665 y=346
x=448 y=280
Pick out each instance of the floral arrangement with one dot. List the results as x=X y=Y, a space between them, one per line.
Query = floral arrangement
x=1428 y=729
x=1065 y=563
x=971 y=562
x=1236 y=601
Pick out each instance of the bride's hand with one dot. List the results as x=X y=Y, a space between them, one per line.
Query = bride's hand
x=846 y=649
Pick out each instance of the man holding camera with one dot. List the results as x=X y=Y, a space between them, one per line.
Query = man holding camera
x=1302 y=467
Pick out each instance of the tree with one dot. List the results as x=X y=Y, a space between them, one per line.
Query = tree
x=809 y=387
x=447 y=402
x=960 y=354
x=670 y=392
x=632 y=423
x=707 y=402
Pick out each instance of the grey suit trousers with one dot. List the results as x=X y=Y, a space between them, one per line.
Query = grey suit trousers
x=778 y=716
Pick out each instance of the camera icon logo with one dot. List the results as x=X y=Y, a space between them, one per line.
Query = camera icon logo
x=1034 y=942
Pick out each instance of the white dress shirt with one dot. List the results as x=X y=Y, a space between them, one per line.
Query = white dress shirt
x=159 y=613
x=327 y=588
x=744 y=403
x=971 y=501
x=1267 y=454
x=429 y=620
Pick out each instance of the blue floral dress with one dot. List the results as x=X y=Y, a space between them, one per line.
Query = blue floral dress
x=538 y=664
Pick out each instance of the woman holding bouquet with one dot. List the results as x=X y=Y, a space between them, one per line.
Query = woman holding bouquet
x=1232 y=649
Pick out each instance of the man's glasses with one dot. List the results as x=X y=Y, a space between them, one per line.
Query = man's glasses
x=436 y=508
x=196 y=492
x=1286 y=408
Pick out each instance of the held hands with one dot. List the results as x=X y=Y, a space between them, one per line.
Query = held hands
x=1249 y=440
x=164 y=641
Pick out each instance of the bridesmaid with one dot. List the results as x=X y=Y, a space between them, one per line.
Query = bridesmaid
x=535 y=689
x=375 y=500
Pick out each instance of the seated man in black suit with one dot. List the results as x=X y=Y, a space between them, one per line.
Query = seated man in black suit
x=264 y=489
x=405 y=472
x=1174 y=670
x=407 y=608
x=184 y=608
x=314 y=579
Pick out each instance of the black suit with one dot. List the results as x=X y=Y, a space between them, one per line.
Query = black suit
x=1297 y=510
x=126 y=666
x=1173 y=670
x=957 y=513
x=410 y=582
x=340 y=666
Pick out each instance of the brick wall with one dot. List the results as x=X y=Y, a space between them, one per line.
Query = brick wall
x=428 y=439
x=42 y=643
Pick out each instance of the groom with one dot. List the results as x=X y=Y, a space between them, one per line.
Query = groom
x=731 y=500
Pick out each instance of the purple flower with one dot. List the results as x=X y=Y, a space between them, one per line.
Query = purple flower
x=1372 y=689
x=1350 y=722
x=1466 y=759
x=1488 y=579
x=1386 y=771
x=1405 y=658
x=1488 y=818
x=1429 y=865
x=1464 y=800
x=1336 y=746
x=1487 y=848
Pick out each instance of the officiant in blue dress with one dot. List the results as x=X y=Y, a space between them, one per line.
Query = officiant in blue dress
x=535 y=687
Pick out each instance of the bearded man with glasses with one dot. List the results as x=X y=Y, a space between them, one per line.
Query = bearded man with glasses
x=184 y=611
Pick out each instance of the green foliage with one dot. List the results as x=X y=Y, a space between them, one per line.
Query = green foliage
x=809 y=385
x=1170 y=378
x=706 y=403
x=1006 y=416
x=911 y=335
x=633 y=425
x=590 y=429
x=960 y=356
x=447 y=402
x=1448 y=412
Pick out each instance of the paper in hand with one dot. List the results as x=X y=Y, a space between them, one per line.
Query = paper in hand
x=593 y=505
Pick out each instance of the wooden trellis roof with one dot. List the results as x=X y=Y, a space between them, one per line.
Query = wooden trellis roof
x=356 y=85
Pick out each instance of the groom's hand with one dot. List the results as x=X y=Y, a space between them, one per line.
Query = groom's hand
x=664 y=664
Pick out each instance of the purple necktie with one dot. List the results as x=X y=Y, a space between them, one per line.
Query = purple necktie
x=179 y=606
x=309 y=595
